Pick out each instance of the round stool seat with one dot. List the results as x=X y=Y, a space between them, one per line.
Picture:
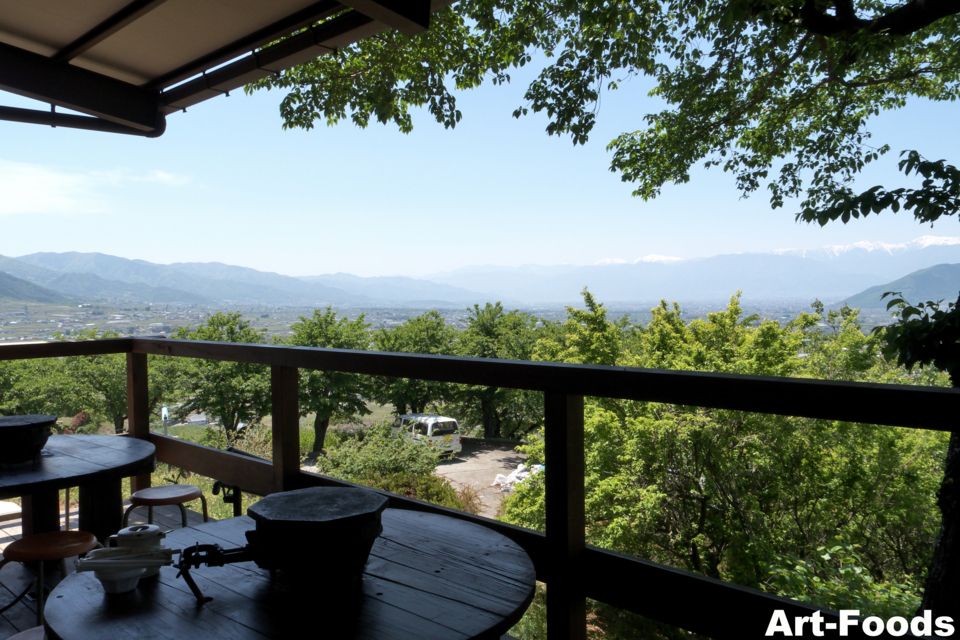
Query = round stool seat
x=52 y=545
x=37 y=633
x=165 y=494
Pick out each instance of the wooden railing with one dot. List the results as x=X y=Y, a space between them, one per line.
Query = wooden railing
x=572 y=570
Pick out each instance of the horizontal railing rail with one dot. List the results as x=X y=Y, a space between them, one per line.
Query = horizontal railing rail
x=572 y=570
x=868 y=403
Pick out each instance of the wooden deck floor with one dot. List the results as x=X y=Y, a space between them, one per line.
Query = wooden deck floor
x=14 y=577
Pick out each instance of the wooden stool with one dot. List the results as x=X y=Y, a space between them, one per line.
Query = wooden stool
x=168 y=494
x=37 y=633
x=46 y=547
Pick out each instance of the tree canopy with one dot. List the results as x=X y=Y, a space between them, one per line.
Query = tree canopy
x=331 y=394
x=231 y=392
x=427 y=333
x=494 y=333
x=777 y=93
x=754 y=499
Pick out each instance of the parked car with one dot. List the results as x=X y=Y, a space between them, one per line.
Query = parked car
x=433 y=430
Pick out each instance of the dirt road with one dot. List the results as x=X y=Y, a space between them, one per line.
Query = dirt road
x=478 y=465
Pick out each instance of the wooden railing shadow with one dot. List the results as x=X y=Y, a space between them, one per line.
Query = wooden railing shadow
x=572 y=570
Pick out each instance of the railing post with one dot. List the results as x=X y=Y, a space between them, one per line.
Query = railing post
x=138 y=408
x=565 y=519
x=284 y=382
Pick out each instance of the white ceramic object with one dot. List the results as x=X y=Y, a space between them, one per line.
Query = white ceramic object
x=119 y=580
x=142 y=536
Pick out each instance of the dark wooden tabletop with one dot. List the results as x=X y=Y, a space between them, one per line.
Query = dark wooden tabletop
x=75 y=460
x=23 y=421
x=429 y=577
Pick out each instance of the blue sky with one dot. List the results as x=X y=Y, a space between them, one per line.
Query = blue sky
x=226 y=183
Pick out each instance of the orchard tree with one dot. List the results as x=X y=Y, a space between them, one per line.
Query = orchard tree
x=230 y=392
x=493 y=333
x=749 y=497
x=94 y=384
x=331 y=394
x=37 y=386
x=427 y=333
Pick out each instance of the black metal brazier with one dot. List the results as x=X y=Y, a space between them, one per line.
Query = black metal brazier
x=23 y=437
x=321 y=535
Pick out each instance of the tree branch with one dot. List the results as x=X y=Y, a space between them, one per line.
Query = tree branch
x=901 y=21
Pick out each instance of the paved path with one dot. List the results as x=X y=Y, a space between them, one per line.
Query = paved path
x=478 y=464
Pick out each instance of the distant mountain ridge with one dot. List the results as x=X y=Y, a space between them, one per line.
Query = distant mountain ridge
x=396 y=288
x=89 y=285
x=837 y=250
x=197 y=281
x=939 y=282
x=12 y=288
x=829 y=273
x=105 y=276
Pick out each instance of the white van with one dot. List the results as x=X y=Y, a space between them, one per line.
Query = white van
x=425 y=428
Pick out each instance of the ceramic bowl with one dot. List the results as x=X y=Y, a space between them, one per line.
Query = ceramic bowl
x=119 y=580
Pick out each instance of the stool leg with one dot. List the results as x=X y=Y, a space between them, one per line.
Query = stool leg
x=183 y=515
x=40 y=598
x=126 y=515
x=66 y=508
x=19 y=597
x=203 y=502
x=63 y=568
x=149 y=515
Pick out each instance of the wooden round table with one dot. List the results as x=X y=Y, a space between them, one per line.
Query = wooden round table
x=96 y=464
x=428 y=577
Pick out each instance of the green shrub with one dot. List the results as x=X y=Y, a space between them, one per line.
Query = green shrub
x=428 y=488
x=256 y=439
x=377 y=455
x=835 y=579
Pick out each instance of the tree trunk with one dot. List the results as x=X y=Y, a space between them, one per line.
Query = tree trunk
x=942 y=592
x=118 y=422
x=491 y=425
x=320 y=432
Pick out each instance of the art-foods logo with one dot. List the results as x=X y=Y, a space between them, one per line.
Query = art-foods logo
x=814 y=626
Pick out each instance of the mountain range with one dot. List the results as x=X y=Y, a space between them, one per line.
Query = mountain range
x=940 y=282
x=98 y=275
x=12 y=288
x=831 y=274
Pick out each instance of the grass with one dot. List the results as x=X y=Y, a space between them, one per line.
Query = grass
x=189 y=432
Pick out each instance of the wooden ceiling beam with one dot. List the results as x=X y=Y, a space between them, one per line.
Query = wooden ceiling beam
x=55 y=82
x=317 y=41
x=126 y=16
x=303 y=18
x=407 y=16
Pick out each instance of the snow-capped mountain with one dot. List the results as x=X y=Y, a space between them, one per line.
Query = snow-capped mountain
x=829 y=273
x=655 y=258
x=835 y=251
